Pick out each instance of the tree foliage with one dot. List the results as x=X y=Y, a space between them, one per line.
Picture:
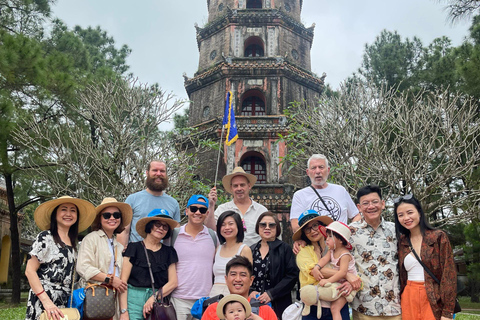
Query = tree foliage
x=425 y=144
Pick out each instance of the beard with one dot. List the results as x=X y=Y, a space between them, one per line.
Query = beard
x=157 y=186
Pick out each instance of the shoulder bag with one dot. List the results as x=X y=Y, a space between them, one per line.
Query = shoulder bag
x=457 y=308
x=100 y=299
x=162 y=309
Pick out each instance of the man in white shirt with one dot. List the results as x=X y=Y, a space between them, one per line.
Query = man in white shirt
x=238 y=183
x=327 y=199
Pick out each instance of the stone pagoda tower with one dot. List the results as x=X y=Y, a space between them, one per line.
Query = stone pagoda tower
x=259 y=50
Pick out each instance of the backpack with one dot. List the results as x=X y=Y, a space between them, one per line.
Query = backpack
x=176 y=231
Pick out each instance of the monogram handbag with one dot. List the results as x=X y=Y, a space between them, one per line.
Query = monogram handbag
x=99 y=301
x=162 y=309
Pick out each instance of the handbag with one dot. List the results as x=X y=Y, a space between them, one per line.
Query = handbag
x=293 y=311
x=162 y=309
x=68 y=313
x=100 y=299
x=457 y=307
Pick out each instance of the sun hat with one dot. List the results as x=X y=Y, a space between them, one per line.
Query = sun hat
x=236 y=298
x=195 y=199
x=125 y=210
x=238 y=171
x=155 y=214
x=305 y=218
x=342 y=229
x=86 y=212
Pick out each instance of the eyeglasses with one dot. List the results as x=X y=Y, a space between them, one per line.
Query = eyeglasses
x=108 y=215
x=201 y=209
x=271 y=225
x=164 y=226
x=405 y=197
x=367 y=203
x=316 y=225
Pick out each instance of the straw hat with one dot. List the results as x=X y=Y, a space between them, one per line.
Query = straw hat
x=342 y=229
x=236 y=298
x=305 y=218
x=86 y=212
x=155 y=214
x=238 y=171
x=124 y=208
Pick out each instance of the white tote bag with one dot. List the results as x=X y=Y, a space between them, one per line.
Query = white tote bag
x=293 y=311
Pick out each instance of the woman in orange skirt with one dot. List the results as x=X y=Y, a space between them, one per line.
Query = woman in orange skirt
x=422 y=297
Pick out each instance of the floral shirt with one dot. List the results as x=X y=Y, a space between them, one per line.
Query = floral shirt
x=375 y=253
x=55 y=273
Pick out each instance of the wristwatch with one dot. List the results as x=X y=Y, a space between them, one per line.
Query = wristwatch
x=107 y=279
x=123 y=311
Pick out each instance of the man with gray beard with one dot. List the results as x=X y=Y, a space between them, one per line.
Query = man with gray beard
x=153 y=197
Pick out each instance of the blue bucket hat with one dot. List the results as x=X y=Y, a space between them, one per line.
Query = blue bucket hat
x=305 y=218
x=155 y=214
x=195 y=199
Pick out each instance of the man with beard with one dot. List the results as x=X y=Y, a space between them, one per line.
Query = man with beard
x=327 y=199
x=153 y=197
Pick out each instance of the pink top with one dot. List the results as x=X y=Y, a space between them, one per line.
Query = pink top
x=195 y=264
x=336 y=266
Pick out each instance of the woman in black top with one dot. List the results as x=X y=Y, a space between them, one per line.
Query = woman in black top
x=274 y=265
x=156 y=226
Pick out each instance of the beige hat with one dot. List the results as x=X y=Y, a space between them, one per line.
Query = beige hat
x=305 y=218
x=155 y=214
x=125 y=210
x=341 y=229
x=86 y=212
x=238 y=171
x=230 y=298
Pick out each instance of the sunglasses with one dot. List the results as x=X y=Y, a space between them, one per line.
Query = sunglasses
x=108 y=215
x=405 y=197
x=271 y=225
x=164 y=226
x=202 y=210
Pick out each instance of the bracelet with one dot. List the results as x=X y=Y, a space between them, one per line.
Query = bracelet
x=37 y=294
x=317 y=265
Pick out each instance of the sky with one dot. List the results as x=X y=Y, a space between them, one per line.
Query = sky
x=162 y=36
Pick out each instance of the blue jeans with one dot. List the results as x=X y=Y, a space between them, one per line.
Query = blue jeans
x=326 y=314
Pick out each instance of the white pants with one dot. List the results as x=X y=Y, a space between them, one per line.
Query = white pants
x=182 y=308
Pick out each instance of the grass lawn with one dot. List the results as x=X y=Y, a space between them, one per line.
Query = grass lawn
x=9 y=312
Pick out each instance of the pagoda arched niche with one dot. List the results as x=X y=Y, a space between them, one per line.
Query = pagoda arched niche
x=254 y=163
x=254 y=47
x=253 y=103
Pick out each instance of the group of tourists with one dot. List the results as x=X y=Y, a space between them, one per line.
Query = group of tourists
x=235 y=251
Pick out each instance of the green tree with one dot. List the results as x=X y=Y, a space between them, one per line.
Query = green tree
x=472 y=257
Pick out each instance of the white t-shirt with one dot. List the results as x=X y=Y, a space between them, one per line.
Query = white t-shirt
x=335 y=196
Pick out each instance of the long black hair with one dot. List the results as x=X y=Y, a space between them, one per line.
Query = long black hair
x=424 y=225
x=238 y=221
x=72 y=231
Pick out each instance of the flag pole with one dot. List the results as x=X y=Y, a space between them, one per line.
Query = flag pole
x=218 y=158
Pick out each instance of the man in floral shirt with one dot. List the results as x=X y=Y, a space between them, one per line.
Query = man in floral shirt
x=375 y=251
